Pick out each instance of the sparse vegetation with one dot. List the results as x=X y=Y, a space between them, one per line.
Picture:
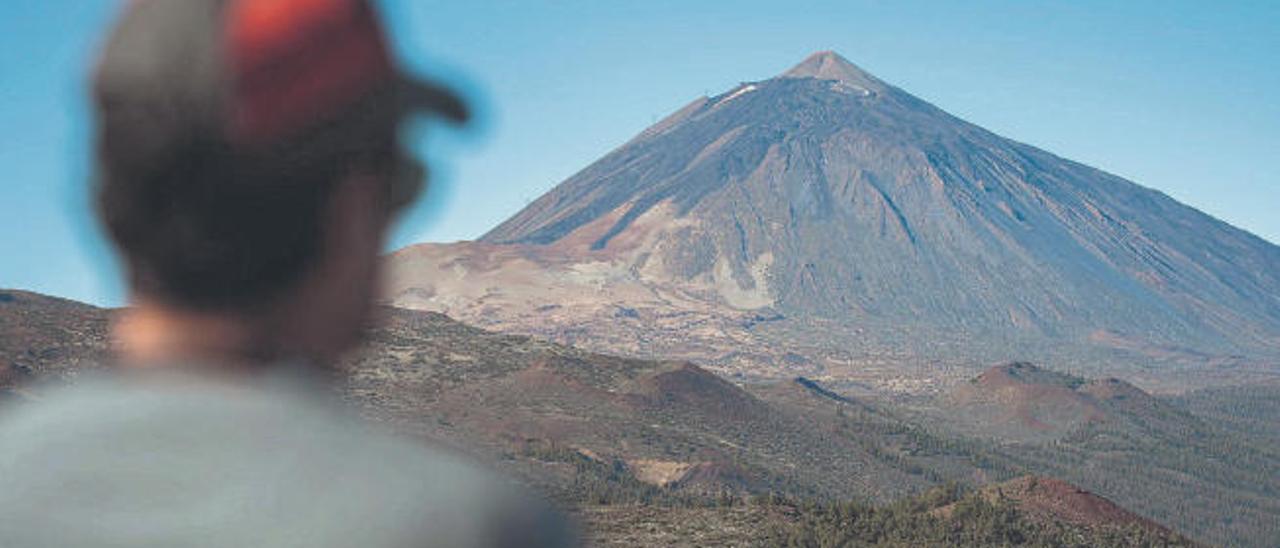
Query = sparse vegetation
x=781 y=462
x=947 y=516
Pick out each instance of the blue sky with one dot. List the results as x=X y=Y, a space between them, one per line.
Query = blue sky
x=1178 y=96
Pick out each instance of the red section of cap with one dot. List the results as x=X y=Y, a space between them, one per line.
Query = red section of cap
x=294 y=62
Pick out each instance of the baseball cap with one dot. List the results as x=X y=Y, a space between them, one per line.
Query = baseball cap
x=271 y=80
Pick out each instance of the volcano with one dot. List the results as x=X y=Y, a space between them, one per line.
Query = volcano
x=828 y=223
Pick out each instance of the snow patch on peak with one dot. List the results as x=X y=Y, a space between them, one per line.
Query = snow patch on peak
x=740 y=92
x=845 y=87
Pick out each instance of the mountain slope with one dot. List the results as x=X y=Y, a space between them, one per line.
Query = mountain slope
x=838 y=202
x=594 y=428
x=557 y=409
x=47 y=337
x=573 y=422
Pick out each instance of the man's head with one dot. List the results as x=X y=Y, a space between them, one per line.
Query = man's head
x=249 y=158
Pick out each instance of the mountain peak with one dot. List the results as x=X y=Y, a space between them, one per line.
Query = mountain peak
x=829 y=65
x=827 y=195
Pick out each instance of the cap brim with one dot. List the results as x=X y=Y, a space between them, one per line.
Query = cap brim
x=418 y=96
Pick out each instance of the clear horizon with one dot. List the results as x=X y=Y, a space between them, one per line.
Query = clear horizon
x=1177 y=97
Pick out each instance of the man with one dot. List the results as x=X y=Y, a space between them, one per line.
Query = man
x=248 y=167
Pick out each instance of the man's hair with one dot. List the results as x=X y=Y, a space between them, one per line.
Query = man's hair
x=205 y=224
x=203 y=227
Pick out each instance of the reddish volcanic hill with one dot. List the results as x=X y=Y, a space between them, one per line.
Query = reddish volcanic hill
x=1020 y=401
x=1149 y=454
x=1052 y=500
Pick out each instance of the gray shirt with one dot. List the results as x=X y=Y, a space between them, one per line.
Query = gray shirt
x=177 y=461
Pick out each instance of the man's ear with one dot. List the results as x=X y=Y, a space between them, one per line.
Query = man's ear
x=355 y=218
x=326 y=315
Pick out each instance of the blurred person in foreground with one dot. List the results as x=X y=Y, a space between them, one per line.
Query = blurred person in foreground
x=248 y=166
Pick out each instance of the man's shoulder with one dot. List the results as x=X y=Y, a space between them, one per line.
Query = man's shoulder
x=263 y=460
